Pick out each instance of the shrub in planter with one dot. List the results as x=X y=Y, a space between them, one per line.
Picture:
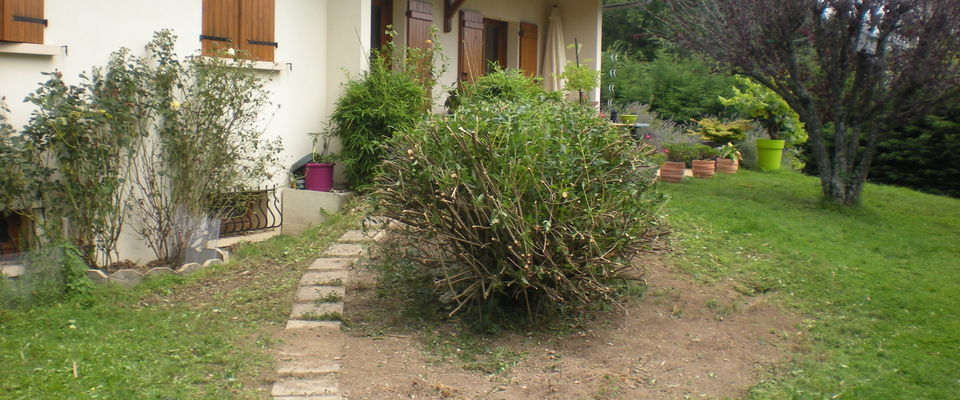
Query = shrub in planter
x=373 y=106
x=525 y=205
x=682 y=152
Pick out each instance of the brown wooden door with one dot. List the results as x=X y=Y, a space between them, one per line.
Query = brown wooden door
x=419 y=19
x=529 y=44
x=22 y=21
x=471 y=46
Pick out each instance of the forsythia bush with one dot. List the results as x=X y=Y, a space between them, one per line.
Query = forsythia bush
x=527 y=203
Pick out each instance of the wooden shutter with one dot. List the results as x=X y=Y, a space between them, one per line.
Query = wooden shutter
x=22 y=21
x=221 y=25
x=419 y=19
x=471 y=45
x=256 y=28
x=529 y=43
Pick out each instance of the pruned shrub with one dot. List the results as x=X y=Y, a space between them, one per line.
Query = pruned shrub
x=521 y=204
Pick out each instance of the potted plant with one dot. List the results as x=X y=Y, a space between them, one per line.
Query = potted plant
x=705 y=164
x=318 y=175
x=729 y=160
x=679 y=156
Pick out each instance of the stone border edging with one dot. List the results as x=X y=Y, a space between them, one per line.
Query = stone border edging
x=130 y=277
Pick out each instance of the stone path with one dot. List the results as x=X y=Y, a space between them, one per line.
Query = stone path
x=308 y=371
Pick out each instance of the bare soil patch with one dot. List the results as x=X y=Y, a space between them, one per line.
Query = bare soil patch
x=682 y=339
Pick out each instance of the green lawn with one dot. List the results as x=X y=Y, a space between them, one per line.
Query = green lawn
x=879 y=285
x=207 y=336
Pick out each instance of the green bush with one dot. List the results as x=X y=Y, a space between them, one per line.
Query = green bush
x=922 y=155
x=52 y=272
x=501 y=85
x=687 y=152
x=715 y=130
x=520 y=204
x=677 y=87
x=373 y=107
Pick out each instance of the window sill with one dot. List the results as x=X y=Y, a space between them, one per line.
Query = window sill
x=256 y=65
x=29 y=49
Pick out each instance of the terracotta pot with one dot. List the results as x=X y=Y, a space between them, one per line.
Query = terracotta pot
x=727 y=165
x=672 y=172
x=703 y=168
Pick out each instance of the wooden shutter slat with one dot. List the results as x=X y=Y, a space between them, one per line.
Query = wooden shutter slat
x=221 y=19
x=419 y=20
x=22 y=21
x=529 y=44
x=471 y=45
x=257 y=28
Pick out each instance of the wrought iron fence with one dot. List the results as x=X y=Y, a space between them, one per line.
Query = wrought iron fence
x=248 y=211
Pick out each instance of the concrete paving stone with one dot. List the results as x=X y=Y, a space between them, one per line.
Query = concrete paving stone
x=126 y=277
x=189 y=268
x=307 y=367
x=307 y=294
x=323 y=277
x=302 y=309
x=344 y=250
x=319 y=386
x=359 y=236
x=301 y=324
x=97 y=276
x=157 y=271
x=332 y=264
x=212 y=261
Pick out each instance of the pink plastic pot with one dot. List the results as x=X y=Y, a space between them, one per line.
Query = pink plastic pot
x=319 y=177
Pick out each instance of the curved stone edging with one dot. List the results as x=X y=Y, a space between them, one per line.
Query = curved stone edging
x=130 y=278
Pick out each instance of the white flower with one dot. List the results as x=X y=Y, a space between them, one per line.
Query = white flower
x=174 y=105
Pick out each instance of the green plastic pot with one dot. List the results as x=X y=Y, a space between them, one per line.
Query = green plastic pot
x=628 y=119
x=769 y=154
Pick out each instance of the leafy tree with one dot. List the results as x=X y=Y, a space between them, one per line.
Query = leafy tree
x=676 y=86
x=861 y=66
x=923 y=155
x=633 y=30
x=765 y=106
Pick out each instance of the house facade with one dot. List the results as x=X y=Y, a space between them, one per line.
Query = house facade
x=305 y=47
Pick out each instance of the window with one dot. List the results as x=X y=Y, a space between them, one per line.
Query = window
x=494 y=45
x=381 y=18
x=244 y=25
x=22 y=21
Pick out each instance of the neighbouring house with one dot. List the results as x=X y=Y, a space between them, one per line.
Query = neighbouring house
x=305 y=46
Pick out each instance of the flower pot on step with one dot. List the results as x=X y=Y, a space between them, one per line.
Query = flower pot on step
x=727 y=165
x=704 y=168
x=319 y=177
x=672 y=172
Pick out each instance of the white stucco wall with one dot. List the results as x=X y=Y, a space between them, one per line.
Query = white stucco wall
x=317 y=45
x=582 y=20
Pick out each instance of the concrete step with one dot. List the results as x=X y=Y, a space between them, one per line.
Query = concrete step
x=332 y=263
x=359 y=236
x=310 y=294
x=301 y=309
x=312 y=366
x=317 y=386
x=345 y=250
x=323 y=278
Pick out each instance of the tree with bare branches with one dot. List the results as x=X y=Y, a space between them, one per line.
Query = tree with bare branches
x=851 y=69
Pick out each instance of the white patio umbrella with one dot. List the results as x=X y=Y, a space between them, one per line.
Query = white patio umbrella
x=555 y=54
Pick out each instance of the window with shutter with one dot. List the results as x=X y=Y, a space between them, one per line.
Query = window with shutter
x=494 y=45
x=381 y=17
x=419 y=19
x=245 y=25
x=471 y=45
x=22 y=21
x=529 y=43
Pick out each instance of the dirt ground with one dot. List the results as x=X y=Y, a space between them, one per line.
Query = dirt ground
x=683 y=339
